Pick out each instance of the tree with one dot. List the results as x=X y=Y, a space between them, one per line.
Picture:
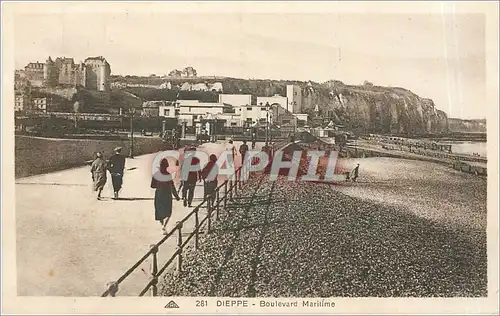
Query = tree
x=368 y=83
x=175 y=73
x=189 y=72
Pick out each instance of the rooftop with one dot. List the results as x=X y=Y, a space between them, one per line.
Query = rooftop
x=65 y=60
x=100 y=58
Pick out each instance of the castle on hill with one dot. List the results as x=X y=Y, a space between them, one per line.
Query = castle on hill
x=93 y=74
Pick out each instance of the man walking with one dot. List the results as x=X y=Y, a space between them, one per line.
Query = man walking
x=189 y=184
x=243 y=151
x=355 y=173
x=116 y=166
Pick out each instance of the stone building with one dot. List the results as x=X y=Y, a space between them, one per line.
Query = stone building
x=98 y=73
x=35 y=73
x=68 y=72
x=93 y=74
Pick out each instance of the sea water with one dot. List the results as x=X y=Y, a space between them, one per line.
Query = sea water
x=469 y=148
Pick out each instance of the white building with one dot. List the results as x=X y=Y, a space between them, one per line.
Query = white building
x=196 y=107
x=276 y=99
x=236 y=100
x=254 y=113
x=235 y=109
x=301 y=117
x=166 y=110
x=294 y=95
x=41 y=104
x=22 y=102
x=192 y=111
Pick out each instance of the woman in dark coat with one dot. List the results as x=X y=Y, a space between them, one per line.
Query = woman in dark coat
x=163 y=197
x=98 y=170
x=209 y=175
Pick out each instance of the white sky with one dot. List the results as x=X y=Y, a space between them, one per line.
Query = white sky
x=439 y=56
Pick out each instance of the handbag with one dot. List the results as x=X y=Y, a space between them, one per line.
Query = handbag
x=154 y=183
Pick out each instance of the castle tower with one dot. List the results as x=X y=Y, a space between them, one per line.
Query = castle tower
x=98 y=73
x=294 y=95
x=102 y=79
x=50 y=73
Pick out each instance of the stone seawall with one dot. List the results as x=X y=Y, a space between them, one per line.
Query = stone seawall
x=36 y=155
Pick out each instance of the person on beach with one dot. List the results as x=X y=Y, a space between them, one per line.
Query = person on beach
x=164 y=190
x=189 y=184
x=116 y=166
x=98 y=170
x=355 y=173
x=243 y=151
x=209 y=175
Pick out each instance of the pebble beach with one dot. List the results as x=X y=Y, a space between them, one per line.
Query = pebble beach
x=405 y=229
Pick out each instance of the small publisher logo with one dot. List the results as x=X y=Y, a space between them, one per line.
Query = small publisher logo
x=172 y=304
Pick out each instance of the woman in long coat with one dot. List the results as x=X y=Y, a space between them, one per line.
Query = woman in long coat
x=163 y=197
x=98 y=170
x=209 y=174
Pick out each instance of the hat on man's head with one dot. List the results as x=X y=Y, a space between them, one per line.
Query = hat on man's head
x=118 y=149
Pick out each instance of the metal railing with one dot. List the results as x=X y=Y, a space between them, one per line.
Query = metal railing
x=213 y=204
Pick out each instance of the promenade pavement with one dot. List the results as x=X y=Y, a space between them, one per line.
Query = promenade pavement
x=71 y=244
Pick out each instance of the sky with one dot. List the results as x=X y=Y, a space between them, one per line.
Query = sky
x=437 y=56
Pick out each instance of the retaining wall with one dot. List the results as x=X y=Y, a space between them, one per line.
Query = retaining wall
x=36 y=155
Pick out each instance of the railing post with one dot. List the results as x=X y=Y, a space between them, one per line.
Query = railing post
x=239 y=180
x=209 y=215
x=225 y=195
x=217 y=206
x=112 y=288
x=236 y=182
x=231 y=185
x=179 y=247
x=154 y=270
x=196 y=228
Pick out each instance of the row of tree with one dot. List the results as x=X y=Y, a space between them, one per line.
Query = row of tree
x=189 y=72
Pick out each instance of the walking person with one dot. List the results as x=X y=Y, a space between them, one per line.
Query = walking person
x=355 y=173
x=116 y=166
x=164 y=190
x=174 y=139
x=243 y=151
x=209 y=175
x=232 y=150
x=98 y=170
x=189 y=184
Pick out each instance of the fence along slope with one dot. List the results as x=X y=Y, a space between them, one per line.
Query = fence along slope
x=230 y=186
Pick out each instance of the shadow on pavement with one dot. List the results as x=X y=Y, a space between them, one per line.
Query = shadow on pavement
x=132 y=199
